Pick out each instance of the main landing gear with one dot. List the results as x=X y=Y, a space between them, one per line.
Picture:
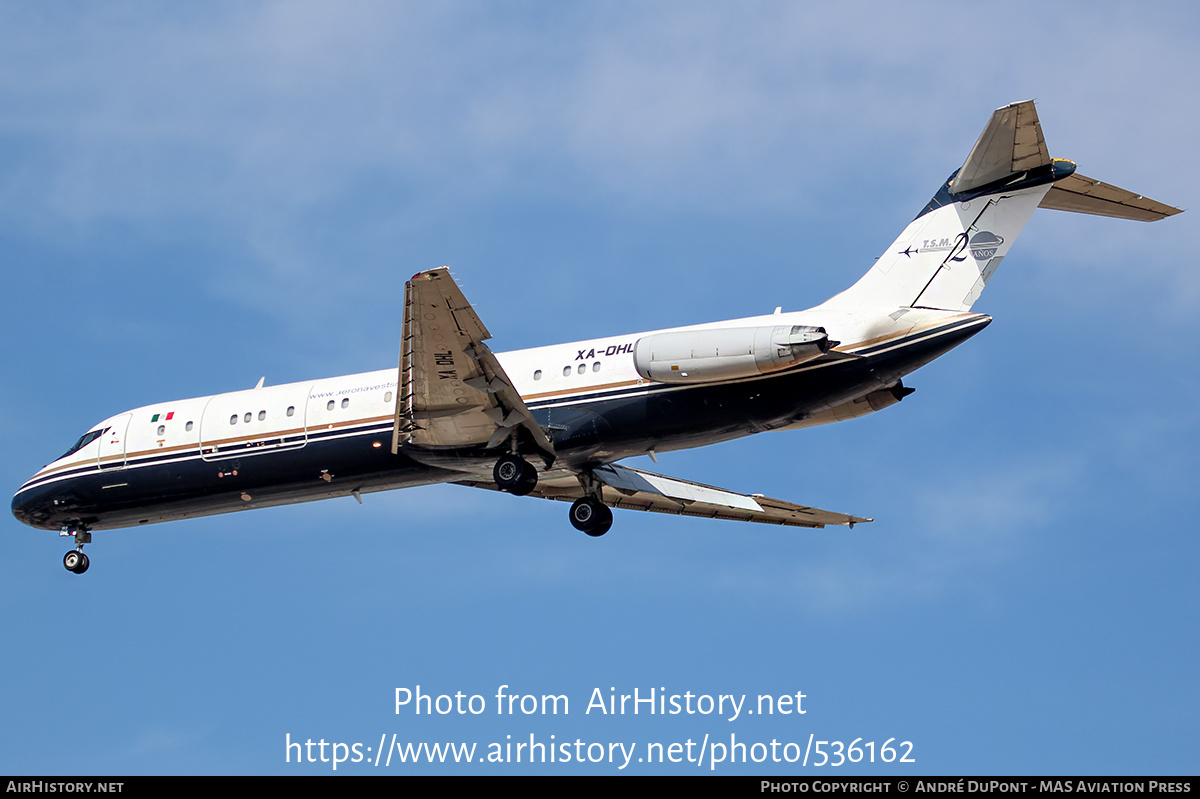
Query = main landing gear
x=75 y=560
x=590 y=515
x=515 y=475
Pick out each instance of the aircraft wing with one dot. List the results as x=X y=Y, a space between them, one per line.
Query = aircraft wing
x=453 y=391
x=634 y=489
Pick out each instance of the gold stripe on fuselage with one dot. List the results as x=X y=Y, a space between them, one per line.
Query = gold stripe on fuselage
x=603 y=387
x=195 y=446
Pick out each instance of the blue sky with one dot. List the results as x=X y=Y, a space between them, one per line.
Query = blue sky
x=195 y=198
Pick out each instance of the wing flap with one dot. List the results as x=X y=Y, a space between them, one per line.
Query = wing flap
x=454 y=393
x=634 y=489
x=632 y=482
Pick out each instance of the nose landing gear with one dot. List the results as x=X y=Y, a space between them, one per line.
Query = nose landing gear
x=75 y=561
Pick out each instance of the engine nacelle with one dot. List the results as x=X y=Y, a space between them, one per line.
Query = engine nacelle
x=702 y=356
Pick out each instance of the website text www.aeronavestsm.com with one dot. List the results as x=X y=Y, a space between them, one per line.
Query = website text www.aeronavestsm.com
x=709 y=752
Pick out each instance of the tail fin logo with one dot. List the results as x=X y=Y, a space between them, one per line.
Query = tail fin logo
x=984 y=245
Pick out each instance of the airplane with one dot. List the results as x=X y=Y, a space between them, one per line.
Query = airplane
x=554 y=422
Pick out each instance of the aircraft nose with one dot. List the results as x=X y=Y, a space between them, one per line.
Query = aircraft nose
x=34 y=507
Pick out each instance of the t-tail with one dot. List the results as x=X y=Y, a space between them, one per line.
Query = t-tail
x=946 y=256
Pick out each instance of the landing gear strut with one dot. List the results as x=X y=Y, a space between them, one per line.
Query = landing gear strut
x=590 y=515
x=75 y=560
x=515 y=475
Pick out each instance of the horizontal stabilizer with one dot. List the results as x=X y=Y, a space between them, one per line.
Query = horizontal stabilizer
x=1083 y=195
x=633 y=489
x=1011 y=143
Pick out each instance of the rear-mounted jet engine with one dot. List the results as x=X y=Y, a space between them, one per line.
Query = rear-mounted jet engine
x=701 y=356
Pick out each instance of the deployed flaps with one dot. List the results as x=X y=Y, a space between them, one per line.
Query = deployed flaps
x=633 y=489
x=699 y=356
x=454 y=394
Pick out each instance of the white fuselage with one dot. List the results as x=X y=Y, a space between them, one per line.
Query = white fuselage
x=229 y=434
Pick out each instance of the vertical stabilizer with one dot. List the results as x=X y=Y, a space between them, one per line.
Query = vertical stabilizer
x=945 y=256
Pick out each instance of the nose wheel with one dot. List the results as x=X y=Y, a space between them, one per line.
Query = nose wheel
x=75 y=561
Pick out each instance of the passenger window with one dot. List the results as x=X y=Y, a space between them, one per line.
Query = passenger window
x=247 y=417
x=566 y=371
x=596 y=366
x=582 y=368
x=537 y=375
x=329 y=405
x=188 y=427
x=387 y=397
x=291 y=410
x=162 y=429
x=346 y=402
x=262 y=415
x=233 y=419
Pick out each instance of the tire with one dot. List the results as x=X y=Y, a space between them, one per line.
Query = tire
x=590 y=515
x=515 y=475
x=75 y=561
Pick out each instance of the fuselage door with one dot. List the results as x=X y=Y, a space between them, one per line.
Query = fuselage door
x=111 y=454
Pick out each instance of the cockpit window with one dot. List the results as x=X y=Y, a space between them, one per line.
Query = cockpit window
x=84 y=440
